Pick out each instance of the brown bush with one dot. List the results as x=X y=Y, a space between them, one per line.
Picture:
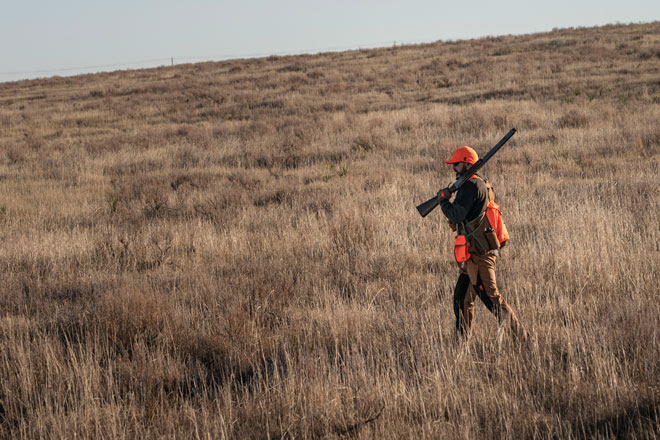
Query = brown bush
x=572 y=119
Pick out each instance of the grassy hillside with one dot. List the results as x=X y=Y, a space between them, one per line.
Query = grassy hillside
x=232 y=250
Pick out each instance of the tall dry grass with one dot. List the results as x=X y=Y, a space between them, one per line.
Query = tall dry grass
x=231 y=250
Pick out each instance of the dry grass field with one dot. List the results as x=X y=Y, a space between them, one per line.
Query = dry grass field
x=232 y=250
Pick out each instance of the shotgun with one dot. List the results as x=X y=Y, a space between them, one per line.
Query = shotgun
x=430 y=204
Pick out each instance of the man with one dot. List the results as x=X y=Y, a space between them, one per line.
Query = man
x=467 y=214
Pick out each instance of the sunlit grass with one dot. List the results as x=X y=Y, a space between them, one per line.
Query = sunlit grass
x=231 y=250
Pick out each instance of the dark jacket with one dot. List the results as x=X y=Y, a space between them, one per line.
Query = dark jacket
x=471 y=200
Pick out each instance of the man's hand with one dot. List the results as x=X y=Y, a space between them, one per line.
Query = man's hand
x=444 y=194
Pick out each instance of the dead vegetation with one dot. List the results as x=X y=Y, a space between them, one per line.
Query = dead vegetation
x=231 y=250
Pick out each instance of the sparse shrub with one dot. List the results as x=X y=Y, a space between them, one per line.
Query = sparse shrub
x=278 y=197
x=369 y=142
x=186 y=158
x=155 y=202
x=97 y=93
x=364 y=142
x=315 y=74
x=15 y=155
x=132 y=313
x=404 y=126
x=472 y=122
x=572 y=119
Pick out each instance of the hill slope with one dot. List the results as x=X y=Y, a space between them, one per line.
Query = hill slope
x=231 y=249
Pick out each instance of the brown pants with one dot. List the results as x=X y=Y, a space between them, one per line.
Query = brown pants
x=482 y=282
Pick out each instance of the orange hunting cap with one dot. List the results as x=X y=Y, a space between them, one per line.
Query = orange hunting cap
x=464 y=154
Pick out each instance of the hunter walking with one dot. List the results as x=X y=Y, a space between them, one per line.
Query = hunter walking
x=480 y=234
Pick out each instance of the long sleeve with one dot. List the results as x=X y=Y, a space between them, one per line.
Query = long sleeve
x=465 y=199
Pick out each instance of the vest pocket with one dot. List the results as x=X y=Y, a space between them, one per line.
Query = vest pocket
x=491 y=239
x=461 y=252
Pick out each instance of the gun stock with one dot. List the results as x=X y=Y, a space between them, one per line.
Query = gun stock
x=425 y=208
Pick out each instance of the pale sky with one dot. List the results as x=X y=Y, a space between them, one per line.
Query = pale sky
x=40 y=38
